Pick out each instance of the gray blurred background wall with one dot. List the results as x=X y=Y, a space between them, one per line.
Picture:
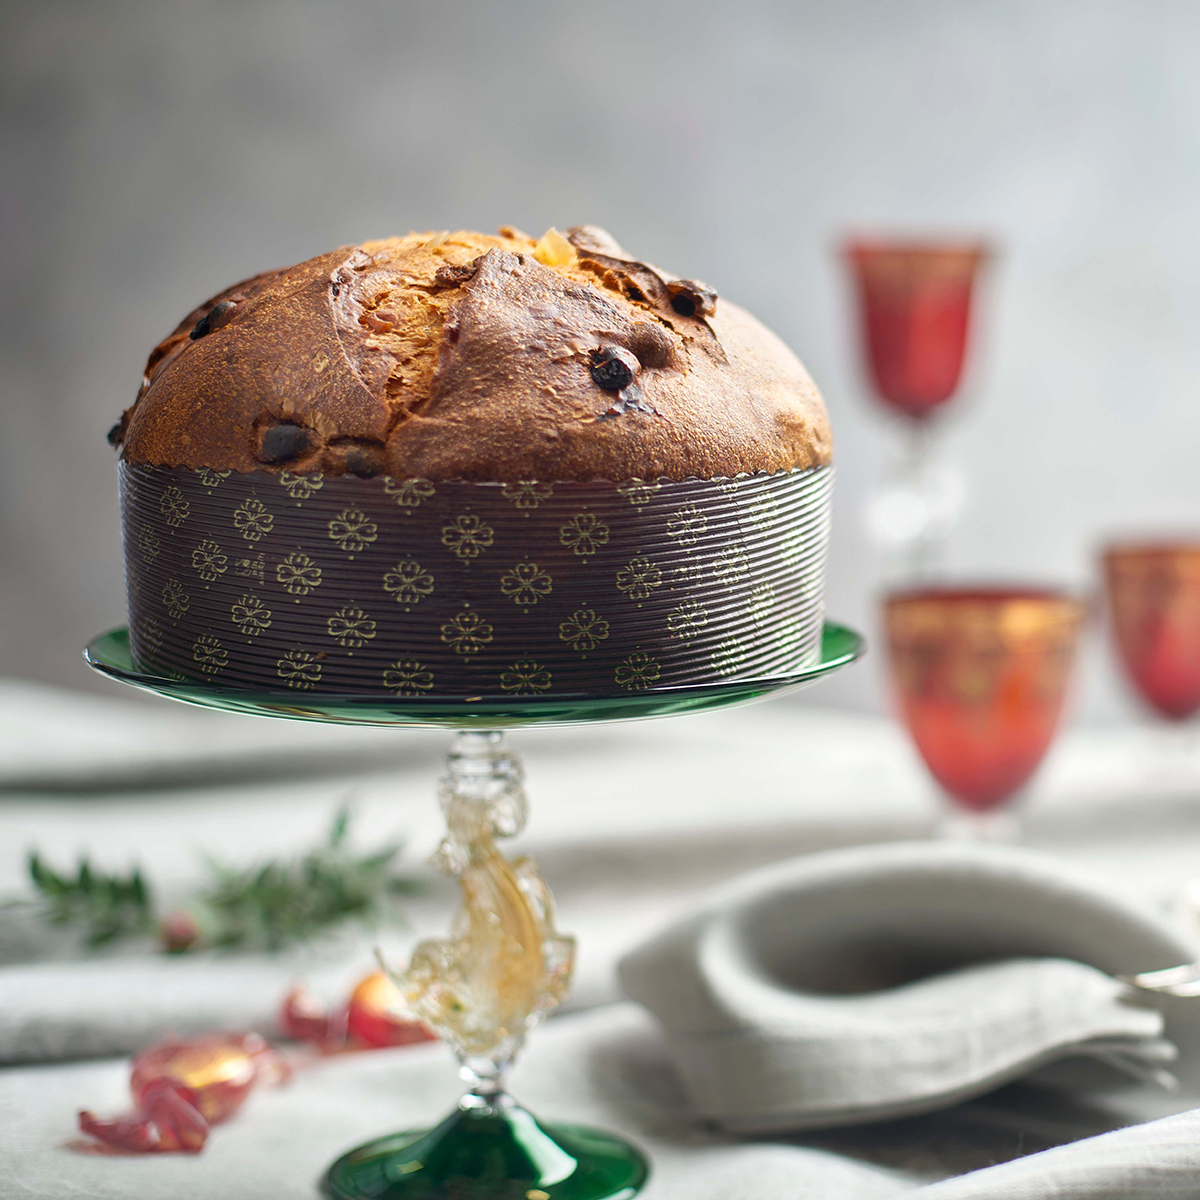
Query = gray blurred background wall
x=152 y=153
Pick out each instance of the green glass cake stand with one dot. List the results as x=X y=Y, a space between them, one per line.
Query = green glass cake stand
x=505 y=965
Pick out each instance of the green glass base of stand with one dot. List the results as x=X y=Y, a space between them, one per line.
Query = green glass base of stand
x=504 y=963
x=496 y=1151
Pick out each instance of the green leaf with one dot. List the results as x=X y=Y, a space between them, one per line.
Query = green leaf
x=282 y=901
x=264 y=905
x=104 y=906
x=44 y=879
x=341 y=822
x=380 y=858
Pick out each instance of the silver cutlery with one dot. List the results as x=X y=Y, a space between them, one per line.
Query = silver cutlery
x=1172 y=981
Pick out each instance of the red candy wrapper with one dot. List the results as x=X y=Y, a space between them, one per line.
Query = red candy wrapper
x=372 y=1018
x=183 y=1087
x=375 y=1017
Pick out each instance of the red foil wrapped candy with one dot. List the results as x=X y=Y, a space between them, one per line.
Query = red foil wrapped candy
x=182 y=1088
x=373 y=1017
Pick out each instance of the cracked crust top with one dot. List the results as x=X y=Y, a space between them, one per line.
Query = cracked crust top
x=465 y=356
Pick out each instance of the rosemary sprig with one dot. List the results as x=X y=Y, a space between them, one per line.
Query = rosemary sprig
x=105 y=906
x=262 y=907
x=268 y=905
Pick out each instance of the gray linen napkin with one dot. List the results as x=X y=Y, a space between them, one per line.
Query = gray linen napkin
x=888 y=980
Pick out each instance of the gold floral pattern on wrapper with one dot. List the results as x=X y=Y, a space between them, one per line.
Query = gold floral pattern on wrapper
x=467 y=633
x=408 y=493
x=730 y=565
x=208 y=561
x=639 y=492
x=350 y=627
x=152 y=638
x=728 y=657
x=527 y=493
x=353 y=531
x=299 y=669
x=174 y=507
x=638 y=672
x=604 y=588
x=301 y=487
x=584 y=534
x=526 y=584
x=252 y=520
x=148 y=543
x=638 y=578
x=467 y=536
x=525 y=677
x=250 y=615
x=761 y=602
x=687 y=619
x=408 y=583
x=760 y=512
x=209 y=655
x=583 y=630
x=175 y=599
x=687 y=526
x=298 y=574
x=407 y=677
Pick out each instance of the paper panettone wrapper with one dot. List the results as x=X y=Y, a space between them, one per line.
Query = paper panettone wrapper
x=406 y=587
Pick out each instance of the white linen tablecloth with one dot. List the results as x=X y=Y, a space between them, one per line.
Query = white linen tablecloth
x=630 y=823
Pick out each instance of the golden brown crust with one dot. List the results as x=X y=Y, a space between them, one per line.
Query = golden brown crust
x=466 y=356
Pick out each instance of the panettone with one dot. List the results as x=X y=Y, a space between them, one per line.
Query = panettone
x=461 y=467
x=464 y=356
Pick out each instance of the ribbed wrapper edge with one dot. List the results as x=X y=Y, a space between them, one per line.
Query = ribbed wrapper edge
x=342 y=585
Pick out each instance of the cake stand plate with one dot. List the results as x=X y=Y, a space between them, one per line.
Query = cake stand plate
x=109 y=654
x=504 y=965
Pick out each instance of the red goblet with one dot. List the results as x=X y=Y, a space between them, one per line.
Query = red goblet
x=915 y=313
x=915 y=303
x=979 y=677
x=1154 y=605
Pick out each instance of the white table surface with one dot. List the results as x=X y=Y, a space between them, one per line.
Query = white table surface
x=630 y=823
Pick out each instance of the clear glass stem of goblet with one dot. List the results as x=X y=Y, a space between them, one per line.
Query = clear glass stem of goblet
x=969 y=825
x=912 y=514
x=923 y=548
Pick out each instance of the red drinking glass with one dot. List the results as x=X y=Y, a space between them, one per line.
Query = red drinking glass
x=915 y=304
x=979 y=677
x=914 y=307
x=1154 y=605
